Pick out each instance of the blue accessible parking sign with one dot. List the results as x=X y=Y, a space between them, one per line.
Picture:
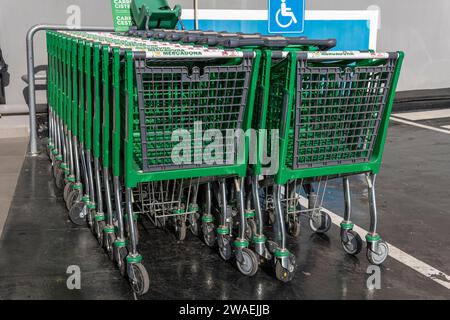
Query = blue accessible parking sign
x=286 y=16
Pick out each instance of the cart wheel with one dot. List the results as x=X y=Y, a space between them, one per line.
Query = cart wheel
x=194 y=227
x=108 y=241
x=56 y=167
x=294 y=226
x=140 y=281
x=283 y=274
x=225 y=251
x=194 y=224
x=74 y=197
x=354 y=243
x=249 y=264
x=77 y=214
x=320 y=223
x=250 y=229
x=120 y=254
x=66 y=192
x=98 y=229
x=180 y=229
x=209 y=236
x=59 y=179
x=378 y=258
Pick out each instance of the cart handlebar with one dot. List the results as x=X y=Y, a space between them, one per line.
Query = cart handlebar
x=344 y=55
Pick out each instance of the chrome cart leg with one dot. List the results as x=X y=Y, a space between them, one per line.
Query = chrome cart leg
x=51 y=138
x=350 y=240
x=62 y=171
x=120 y=245
x=99 y=218
x=70 y=179
x=130 y=217
x=284 y=260
x=320 y=221
x=246 y=260
x=78 y=210
x=293 y=208
x=180 y=219
x=91 y=206
x=250 y=213
x=57 y=152
x=279 y=226
x=194 y=215
x=71 y=159
x=259 y=239
x=75 y=192
x=224 y=229
x=377 y=249
x=208 y=228
x=108 y=230
x=137 y=274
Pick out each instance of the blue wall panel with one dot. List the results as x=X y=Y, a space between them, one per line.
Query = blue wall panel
x=350 y=34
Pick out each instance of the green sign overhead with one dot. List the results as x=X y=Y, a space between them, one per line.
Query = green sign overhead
x=121 y=14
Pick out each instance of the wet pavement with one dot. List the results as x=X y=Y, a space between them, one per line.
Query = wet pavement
x=39 y=243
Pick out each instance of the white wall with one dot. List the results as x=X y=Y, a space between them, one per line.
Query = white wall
x=418 y=27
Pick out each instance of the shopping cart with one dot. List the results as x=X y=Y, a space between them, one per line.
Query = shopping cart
x=215 y=89
x=331 y=110
x=147 y=164
x=254 y=218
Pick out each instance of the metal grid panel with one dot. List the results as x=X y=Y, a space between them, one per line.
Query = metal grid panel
x=338 y=113
x=178 y=97
x=277 y=99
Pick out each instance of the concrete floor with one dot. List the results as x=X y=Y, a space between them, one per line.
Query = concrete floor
x=12 y=154
x=39 y=243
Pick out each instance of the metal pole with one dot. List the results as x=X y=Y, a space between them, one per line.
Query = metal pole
x=31 y=77
x=196 y=15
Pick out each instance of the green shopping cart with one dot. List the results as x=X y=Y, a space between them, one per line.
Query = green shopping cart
x=331 y=110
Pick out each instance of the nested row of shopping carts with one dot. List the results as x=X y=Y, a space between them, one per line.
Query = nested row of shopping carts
x=212 y=132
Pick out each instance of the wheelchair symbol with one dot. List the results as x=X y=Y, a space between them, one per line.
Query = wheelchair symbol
x=284 y=11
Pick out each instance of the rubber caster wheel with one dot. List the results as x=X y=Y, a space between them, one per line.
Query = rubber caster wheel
x=379 y=257
x=249 y=264
x=250 y=229
x=59 y=179
x=225 y=250
x=77 y=214
x=294 y=227
x=180 y=230
x=320 y=223
x=354 y=243
x=194 y=226
x=120 y=254
x=282 y=274
x=139 y=279
x=74 y=197
x=209 y=235
x=66 y=192
x=108 y=240
x=56 y=168
x=98 y=230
